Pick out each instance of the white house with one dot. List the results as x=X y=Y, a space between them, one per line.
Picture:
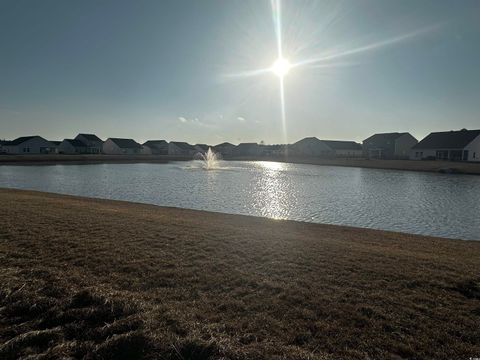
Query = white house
x=55 y=145
x=311 y=146
x=248 y=149
x=224 y=148
x=344 y=148
x=181 y=149
x=93 y=143
x=118 y=146
x=155 y=147
x=462 y=145
x=28 y=145
x=389 y=145
x=72 y=146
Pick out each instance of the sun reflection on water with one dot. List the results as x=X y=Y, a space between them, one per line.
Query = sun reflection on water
x=275 y=197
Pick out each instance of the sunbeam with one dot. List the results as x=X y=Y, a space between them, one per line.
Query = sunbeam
x=367 y=47
x=327 y=57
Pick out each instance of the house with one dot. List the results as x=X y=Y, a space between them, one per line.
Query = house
x=118 y=146
x=2 y=150
x=224 y=148
x=311 y=146
x=344 y=148
x=72 y=146
x=28 y=145
x=462 y=145
x=93 y=143
x=389 y=145
x=275 y=150
x=55 y=144
x=155 y=147
x=247 y=149
x=201 y=148
x=178 y=148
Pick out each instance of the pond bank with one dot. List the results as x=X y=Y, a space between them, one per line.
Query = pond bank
x=85 y=277
x=410 y=165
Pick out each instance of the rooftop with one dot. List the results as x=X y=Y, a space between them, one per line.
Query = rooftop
x=183 y=145
x=22 y=139
x=342 y=145
x=448 y=139
x=126 y=143
x=385 y=136
x=91 y=137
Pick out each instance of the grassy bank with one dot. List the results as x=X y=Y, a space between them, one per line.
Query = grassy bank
x=409 y=165
x=84 y=159
x=104 y=279
x=429 y=166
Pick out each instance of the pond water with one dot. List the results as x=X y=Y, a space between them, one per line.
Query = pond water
x=413 y=202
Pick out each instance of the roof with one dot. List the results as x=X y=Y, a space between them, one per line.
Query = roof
x=204 y=147
x=182 y=145
x=155 y=143
x=385 y=136
x=247 y=144
x=224 y=144
x=307 y=140
x=126 y=143
x=448 y=139
x=22 y=139
x=343 y=145
x=91 y=137
x=75 y=143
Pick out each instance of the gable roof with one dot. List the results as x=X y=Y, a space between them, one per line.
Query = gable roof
x=448 y=139
x=155 y=143
x=224 y=144
x=385 y=136
x=75 y=143
x=247 y=145
x=22 y=139
x=183 y=145
x=91 y=137
x=307 y=139
x=343 y=145
x=126 y=143
x=204 y=147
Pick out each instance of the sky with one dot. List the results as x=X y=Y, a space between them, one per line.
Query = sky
x=182 y=70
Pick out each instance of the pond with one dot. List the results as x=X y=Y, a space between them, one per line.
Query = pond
x=413 y=202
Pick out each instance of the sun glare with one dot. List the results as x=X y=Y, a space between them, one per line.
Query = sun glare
x=281 y=67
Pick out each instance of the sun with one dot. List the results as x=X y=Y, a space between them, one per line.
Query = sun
x=281 y=67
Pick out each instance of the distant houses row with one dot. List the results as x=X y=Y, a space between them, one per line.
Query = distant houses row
x=461 y=145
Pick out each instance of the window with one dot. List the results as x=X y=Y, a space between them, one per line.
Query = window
x=474 y=155
x=26 y=150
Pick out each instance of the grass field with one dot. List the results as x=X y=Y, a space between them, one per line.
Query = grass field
x=104 y=279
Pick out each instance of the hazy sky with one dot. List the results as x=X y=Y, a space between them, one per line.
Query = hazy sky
x=162 y=69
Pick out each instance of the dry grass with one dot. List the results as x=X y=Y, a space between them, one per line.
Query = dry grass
x=410 y=165
x=454 y=167
x=103 y=279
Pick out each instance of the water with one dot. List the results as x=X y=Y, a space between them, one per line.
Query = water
x=422 y=203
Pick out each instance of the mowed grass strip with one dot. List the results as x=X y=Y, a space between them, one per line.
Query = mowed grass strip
x=89 y=278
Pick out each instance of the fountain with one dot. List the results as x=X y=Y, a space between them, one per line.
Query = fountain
x=210 y=159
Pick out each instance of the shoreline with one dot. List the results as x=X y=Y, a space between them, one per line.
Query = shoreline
x=111 y=276
x=448 y=167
